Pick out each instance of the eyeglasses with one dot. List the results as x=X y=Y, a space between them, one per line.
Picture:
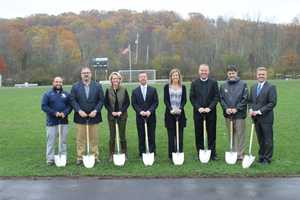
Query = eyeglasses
x=85 y=72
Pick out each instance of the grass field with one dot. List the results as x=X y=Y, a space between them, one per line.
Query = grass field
x=22 y=141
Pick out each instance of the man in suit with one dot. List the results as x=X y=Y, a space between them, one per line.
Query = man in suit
x=145 y=101
x=87 y=99
x=204 y=96
x=262 y=100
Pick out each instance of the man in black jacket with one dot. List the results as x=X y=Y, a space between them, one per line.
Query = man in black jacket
x=87 y=99
x=204 y=96
x=262 y=100
x=144 y=100
x=233 y=99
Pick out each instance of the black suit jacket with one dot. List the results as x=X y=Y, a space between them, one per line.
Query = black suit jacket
x=93 y=102
x=265 y=102
x=169 y=118
x=139 y=104
x=199 y=99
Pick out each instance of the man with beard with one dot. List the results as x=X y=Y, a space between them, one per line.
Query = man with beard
x=56 y=105
x=87 y=99
x=144 y=100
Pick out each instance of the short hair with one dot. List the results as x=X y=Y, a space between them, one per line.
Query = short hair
x=85 y=68
x=115 y=73
x=261 y=69
x=58 y=77
x=174 y=70
x=143 y=72
x=203 y=66
x=231 y=68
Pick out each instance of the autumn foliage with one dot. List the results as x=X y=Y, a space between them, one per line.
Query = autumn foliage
x=38 y=47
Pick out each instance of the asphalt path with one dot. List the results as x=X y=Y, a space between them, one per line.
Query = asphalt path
x=85 y=188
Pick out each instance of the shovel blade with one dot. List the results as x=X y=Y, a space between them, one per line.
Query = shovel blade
x=89 y=161
x=60 y=160
x=119 y=159
x=204 y=155
x=247 y=161
x=231 y=157
x=148 y=159
x=178 y=158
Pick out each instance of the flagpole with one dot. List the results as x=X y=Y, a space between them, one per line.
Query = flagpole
x=136 y=48
x=147 y=55
x=129 y=58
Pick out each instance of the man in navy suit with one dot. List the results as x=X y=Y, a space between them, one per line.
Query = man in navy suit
x=145 y=101
x=87 y=99
x=262 y=100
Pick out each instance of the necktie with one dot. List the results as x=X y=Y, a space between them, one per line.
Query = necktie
x=258 y=89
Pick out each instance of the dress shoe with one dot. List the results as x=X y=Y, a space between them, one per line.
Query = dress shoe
x=50 y=163
x=79 y=162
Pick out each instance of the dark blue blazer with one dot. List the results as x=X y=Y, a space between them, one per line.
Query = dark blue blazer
x=138 y=103
x=265 y=102
x=93 y=102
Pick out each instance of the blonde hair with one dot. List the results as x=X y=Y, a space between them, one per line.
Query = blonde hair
x=172 y=72
x=115 y=73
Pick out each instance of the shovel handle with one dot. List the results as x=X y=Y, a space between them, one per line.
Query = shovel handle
x=146 y=135
x=205 y=134
x=117 y=136
x=231 y=133
x=251 y=138
x=87 y=136
x=177 y=134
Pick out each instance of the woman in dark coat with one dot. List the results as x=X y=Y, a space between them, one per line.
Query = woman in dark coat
x=175 y=100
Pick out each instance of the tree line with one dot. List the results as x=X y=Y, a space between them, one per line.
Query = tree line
x=38 y=47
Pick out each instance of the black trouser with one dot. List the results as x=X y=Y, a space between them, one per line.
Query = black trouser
x=264 y=132
x=151 y=124
x=173 y=141
x=211 y=121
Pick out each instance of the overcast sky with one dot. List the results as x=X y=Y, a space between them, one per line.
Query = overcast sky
x=278 y=11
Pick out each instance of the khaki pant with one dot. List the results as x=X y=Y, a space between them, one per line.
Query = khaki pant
x=238 y=135
x=81 y=139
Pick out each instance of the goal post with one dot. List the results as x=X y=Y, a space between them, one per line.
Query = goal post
x=135 y=73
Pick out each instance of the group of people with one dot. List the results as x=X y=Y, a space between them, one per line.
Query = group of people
x=87 y=99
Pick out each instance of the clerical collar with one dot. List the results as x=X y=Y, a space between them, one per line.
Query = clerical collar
x=203 y=79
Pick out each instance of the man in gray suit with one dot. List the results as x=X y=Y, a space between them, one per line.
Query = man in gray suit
x=262 y=100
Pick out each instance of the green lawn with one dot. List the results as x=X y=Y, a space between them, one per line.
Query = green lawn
x=22 y=141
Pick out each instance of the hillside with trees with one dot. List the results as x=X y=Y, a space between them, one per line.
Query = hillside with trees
x=38 y=47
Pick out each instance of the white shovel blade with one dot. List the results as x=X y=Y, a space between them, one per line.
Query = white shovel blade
x=89 y=161
x=231 y=157
x=148 y=159
x=247 y=161
x=178 y=158
x=60 y=160
x=204 y=155
x=119 y=159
